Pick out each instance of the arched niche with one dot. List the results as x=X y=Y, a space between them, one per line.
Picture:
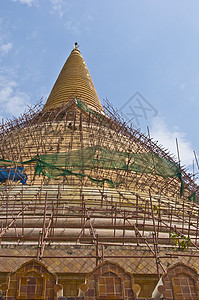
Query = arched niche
x=32 y=285
x=180 y=282
x=109 y=281
x=31 y=280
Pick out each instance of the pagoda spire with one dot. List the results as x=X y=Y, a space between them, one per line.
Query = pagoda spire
x=74 y=81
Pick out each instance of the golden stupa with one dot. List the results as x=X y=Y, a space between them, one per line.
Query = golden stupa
x=73 y=81
x=92 y=209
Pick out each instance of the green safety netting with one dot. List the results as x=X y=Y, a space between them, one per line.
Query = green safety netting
x=193 y=197
x=84 y=106
x=52 y=171
x=86 y=109
x=109 y=159
x=77 y=161
x=52 y=165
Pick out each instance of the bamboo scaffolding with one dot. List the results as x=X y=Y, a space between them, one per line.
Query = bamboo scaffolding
x=76 y=210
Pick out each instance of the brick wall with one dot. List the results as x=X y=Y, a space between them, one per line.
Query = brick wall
x=109 y=281
x=82 y=298
x=71 y=298
x=31 y=281
x=180 y=283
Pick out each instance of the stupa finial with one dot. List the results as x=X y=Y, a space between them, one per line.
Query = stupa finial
x=76 y=46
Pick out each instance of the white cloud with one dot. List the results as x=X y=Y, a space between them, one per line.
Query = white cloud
x=73 y=26
x=77 y=26
x=59 y=7
x=5 y=44
x=28 y=2
x=12 y=101
x=161 y=133
x=182 y=86
x=5 y=48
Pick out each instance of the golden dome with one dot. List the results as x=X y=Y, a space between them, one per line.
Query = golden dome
x=73 y=81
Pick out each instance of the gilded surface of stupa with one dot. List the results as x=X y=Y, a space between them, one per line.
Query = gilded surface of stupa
x=73 y=81
x=90 y=208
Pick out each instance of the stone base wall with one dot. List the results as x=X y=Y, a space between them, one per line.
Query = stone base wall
x=108 y=280
x=61 y=260
x=71 y=298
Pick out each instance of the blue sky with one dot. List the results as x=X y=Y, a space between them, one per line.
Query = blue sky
x=148 y=46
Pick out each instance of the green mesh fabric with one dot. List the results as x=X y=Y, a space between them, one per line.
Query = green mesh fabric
x=67 y=163
x=6 y=162
x=77 y=161
x=108 y=159
x=83 y=107
x=52 y=171
x=193 y=197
